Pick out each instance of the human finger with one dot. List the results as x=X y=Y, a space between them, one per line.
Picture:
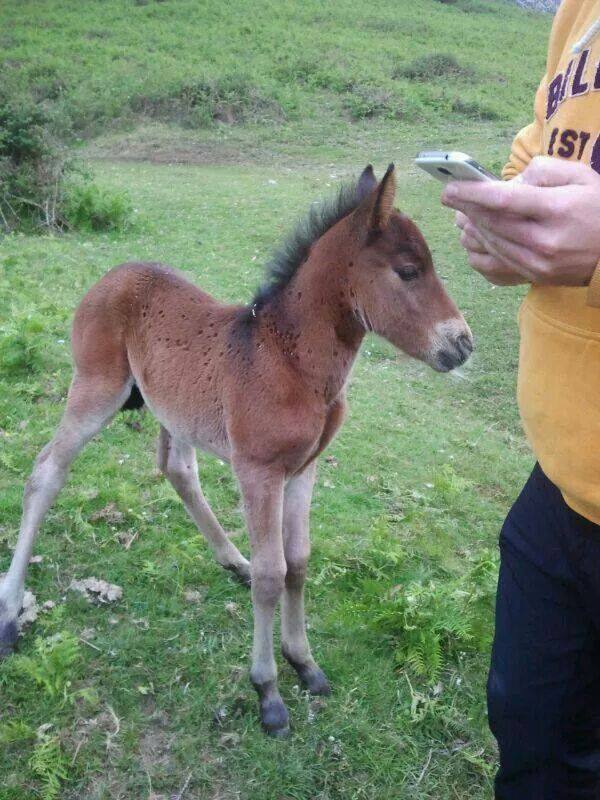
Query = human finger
x=495 y=271
x=509 y=197
x=549 y=172
x=471 y=244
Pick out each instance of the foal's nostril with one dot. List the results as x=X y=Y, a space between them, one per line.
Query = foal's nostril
x=465 y=344
x=447 y=361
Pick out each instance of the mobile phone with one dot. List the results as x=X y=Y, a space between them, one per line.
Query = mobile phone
x=453 y=166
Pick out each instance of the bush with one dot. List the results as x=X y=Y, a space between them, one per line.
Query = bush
x=36 y=172
x=434 y=65
x=32 y=166
x=474 y=109
x=231 y=99
x=365 y=102
x=90 y=207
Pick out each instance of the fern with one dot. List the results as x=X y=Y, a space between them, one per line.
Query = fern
x=429 y=620
x=15 y=731
x=52 y=665
x=49 y=764
x=426 y=657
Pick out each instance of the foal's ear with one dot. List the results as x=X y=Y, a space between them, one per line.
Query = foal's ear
x=366 y=183
x=376 y=208
x=384 y=201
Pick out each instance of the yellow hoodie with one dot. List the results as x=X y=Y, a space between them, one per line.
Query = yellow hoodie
x=559 y=369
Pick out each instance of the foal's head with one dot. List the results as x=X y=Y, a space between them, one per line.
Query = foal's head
x=395 y=289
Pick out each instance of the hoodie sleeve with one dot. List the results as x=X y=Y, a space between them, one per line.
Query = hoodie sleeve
x=528 y=142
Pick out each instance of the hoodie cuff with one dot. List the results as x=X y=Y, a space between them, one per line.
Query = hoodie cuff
x=593 y=292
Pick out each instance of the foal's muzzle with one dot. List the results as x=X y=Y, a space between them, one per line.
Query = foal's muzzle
x=455 y=351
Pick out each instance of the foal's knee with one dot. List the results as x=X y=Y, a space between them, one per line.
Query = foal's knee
x=296 y=572
x=268 y=581
x=296 y=558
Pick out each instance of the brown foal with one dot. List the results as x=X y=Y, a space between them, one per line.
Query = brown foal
x=262 y=386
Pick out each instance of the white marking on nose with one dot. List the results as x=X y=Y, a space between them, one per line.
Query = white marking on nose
x=443 y=344
x=448 y=331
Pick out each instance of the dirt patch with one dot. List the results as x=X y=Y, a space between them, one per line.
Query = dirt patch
x=171 y=146
x=539 y=5
x=109 y=514
x=155 y=749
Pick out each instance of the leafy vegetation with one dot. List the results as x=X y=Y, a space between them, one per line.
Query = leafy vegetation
x=89 y=206
x=250 y=112
x=430 y=619
x=40 y=183
x=32 y=166
x=51 y=664
x=205 y=63
x=49 y=764
x=434 y=65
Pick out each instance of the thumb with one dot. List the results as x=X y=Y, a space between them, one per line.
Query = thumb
x=547 y=171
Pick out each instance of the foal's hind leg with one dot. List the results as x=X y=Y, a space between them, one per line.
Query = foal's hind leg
x=177 y=461
x=90 y=406
x=296 y=544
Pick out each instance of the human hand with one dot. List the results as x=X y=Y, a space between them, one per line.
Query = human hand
x=544 y=228
x=484 y=258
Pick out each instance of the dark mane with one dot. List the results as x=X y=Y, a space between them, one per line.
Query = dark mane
x=294 y=250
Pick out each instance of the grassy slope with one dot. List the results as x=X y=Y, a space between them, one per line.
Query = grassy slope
x=163 y=664
x=101 y=61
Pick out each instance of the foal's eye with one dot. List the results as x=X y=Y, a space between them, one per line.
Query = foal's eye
x=408 y=273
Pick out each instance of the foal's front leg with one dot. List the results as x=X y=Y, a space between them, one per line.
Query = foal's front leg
x=262 y=490
x=296 y=541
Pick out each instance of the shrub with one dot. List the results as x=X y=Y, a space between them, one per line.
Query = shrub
x=15 y=730
x=36 y=172
x=91 y=207
x=49 y=764
x=365 y=102
x=32 y=165
x=231 y=99
x=471 y=6
x=474 y=109
x=433 y=65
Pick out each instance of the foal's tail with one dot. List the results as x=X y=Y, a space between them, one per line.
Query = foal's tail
x=134 y=401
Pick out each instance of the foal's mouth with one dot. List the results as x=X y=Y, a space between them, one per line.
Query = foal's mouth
x=454 y=353
x=450 y=346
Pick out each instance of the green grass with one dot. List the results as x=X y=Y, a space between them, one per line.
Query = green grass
x=165 y=675
x=274 y=62
x=424 y=468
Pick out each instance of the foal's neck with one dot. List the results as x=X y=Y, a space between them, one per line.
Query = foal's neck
x=317 y=325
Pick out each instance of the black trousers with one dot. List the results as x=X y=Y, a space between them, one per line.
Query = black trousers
x=544 y=681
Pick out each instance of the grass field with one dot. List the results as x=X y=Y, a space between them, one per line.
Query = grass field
x=150 y=696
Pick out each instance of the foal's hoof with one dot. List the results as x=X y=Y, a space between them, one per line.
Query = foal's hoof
x=9 y=633
x=312 y=677
x=274 y=718
x=241 y=575
x=316 y=682
x=274 y=715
